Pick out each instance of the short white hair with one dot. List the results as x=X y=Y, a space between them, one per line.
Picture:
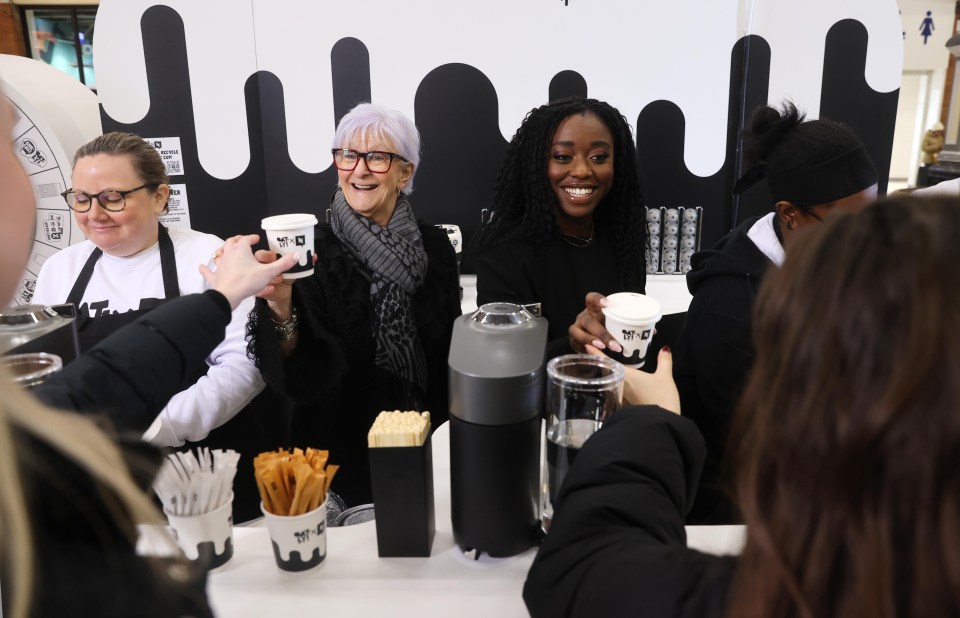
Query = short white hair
x=371 y=121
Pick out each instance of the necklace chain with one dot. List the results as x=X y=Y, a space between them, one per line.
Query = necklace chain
x=577 y=241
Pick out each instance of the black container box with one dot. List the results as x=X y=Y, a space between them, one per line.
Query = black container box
x=402 y=482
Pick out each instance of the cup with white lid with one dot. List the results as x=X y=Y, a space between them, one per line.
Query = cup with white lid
x=293 y=233
x=631 y=318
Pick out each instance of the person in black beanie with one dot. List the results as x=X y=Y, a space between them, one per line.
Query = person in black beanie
x=814 y=168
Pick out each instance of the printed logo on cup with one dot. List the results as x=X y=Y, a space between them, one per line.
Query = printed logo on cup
x=632 y=335
x=304 y=535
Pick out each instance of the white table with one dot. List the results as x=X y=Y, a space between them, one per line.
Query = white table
x=353 y=581
x=669 y=290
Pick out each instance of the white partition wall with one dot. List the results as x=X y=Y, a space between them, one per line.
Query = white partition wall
x=253 y=88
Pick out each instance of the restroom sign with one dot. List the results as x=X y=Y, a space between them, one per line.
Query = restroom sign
x=170 y=153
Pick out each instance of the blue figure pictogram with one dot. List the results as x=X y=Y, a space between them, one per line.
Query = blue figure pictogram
x=926 y=28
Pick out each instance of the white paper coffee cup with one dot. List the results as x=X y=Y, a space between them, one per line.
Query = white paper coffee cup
x=207 y=537
x=299 y=541
x=287 y=234
x=631 y=318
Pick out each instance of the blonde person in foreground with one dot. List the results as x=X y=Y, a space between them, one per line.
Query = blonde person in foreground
x=72 y=487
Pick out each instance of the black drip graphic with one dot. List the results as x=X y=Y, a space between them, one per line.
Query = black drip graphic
x=567 y=84
x=457 y=109
x=847 y=97
x=661 y=133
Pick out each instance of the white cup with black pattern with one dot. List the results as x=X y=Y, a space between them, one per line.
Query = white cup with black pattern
x=289 y=234
x=631 y=319
x=299 y=541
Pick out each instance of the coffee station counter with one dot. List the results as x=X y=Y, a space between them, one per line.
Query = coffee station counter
x=669 y=290
x=354 y=581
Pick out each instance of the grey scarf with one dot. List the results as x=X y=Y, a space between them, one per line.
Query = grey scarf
x=397 y=263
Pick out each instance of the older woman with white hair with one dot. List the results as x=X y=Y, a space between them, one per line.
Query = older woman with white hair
x=370 y=329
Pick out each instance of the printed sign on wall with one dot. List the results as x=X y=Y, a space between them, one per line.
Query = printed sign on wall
x=178 y=209
x=170 y=153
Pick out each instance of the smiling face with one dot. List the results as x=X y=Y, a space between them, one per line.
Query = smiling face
x=374 y=195
x=134 y=228
x=580 y=170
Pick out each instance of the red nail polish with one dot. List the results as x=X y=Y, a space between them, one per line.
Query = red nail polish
x=665 y=348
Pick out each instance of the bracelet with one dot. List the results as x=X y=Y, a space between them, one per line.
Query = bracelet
x=288 y=327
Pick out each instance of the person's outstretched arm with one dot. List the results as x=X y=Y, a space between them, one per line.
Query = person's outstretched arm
x=133 y=373
x=617 y=543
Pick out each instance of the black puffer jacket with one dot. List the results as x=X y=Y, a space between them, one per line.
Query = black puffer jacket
x=86 y=562
x=714 y=354
x=617 y=543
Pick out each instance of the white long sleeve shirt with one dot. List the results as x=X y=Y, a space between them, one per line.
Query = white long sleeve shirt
x=119 y=283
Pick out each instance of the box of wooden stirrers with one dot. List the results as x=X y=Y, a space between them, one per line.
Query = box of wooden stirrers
x=401 y=475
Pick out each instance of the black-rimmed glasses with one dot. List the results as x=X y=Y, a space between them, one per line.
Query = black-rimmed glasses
x=377 y=161
x=109 y=199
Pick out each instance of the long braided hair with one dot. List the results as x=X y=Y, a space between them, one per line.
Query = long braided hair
x=525 y=205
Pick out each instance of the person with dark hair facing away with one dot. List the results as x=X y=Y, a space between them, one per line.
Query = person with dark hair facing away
x=847 y=439
x=814 y=169
x=567 y=215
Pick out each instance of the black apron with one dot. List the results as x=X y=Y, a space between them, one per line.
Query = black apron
x=263 y=425
x=92 y=331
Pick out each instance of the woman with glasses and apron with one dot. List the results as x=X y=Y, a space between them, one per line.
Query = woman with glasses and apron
x=131 y=264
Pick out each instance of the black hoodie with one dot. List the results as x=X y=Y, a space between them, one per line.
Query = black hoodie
x=714 y=353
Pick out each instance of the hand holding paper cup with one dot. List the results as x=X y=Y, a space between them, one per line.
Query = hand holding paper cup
x=631 y=318
x=287 y=234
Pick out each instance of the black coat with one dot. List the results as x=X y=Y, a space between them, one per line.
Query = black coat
x=86 y=563
x=714 y=354
x=131 y=378
x=554 y=274
x=617 y=543
x=331 y=376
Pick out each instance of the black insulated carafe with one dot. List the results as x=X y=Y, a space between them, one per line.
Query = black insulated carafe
x=496 y=397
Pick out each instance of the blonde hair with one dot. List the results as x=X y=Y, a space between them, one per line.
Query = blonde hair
x=79 y=440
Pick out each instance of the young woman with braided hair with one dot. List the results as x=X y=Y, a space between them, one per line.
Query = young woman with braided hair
x=567 y=214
